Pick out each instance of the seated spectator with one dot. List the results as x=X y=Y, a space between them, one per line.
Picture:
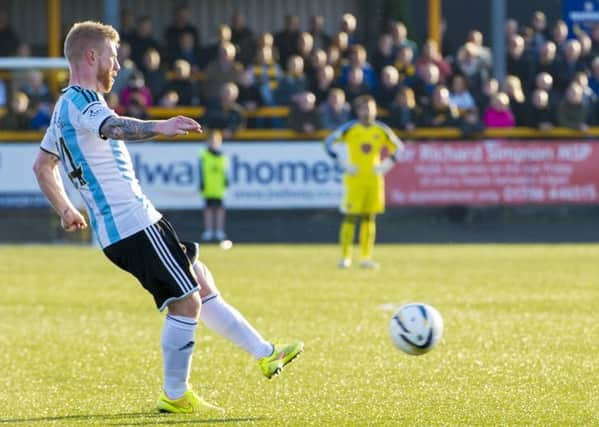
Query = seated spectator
x=227 y=114
x=249 y=91
x=8 y=37
x=36 y=90
x=182 y=84
x=489 y=90
x=305 y=46
x=136 y=87
x=209 y=52
x=541 y=114
x=569 y=65
x=538 y=29
x=341 y=41
x=384 y=53
x=137 y=107
x=498 y=114
x=588 y=96
x=143 y=40
x=405 y=66
x=317 y=60
x=440 y=112
x=349 y=25
x=286 y=40
x=243 y=38
x=223 y=70
x=544 y=81
x=304 y=116
x=357 y=59
x=546 y=62
x=404 y=112
x=399 y=34
x=560 y=36
x=321 y=38
x=387 y=90
x=154 y=76
x=187 y=49
x=517 y=63
x=355 y=85
x=180 y=25
x=294 y=81
x=334 y=59
x=170 y=99
x=586 y=58
x=510 y=28
x=460 y=95
x=512 y=87
x=128 y=67
x=335 y=110
x=430 y=55
x=266 y=74
x=472 y=67
x=427 y=82
x=17 y=116
x=323 y=84
x=571 y=111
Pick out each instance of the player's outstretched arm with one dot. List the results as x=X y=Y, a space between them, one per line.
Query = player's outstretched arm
x=48 y=177
x=130 y=129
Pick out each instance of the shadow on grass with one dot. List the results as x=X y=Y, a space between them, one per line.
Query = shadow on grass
x=152 y=419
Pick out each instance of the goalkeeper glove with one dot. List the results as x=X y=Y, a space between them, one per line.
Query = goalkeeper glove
x=384 y=167
x=347 y=168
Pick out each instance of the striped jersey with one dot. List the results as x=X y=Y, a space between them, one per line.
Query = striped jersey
x=100 y=168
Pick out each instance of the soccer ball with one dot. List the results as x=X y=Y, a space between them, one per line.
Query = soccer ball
x=416 y=328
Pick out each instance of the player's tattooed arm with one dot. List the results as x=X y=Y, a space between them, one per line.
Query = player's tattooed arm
x=127 y=128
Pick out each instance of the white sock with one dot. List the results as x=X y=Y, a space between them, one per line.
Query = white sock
x=228 y=322
x=177 y=347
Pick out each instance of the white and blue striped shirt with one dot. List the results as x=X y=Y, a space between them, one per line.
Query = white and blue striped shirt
x=101 y=169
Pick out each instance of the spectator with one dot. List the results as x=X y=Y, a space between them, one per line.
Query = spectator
x=355 y=85
x=510 y=29
x=243 y=38
x=266 y=74
x=223 y=70
x=187 y=50
x=154 y=76
x=286 y=40
x=349 y=25
x=335 y=110
x=430 y=55
x=404 y=111
x=36 y=90
x=8 y=37
x=384 y=54
x=399 y=34
x=589 y=98
x=498 y=114
x=334 y=59
x=181 y=25
x=249 y=91
x=323 y=84
x=541 y=114
x=517 y=64
x=317 y=60
x=210 y=52
x=585 y=50
x=227 y=114
x=569 y=65
x=182 y=83
x=143 y=40
x=489 y=90
x=482 y=52
x=440 y=112
x=136 y=88
x=170 y=99
x=539 y=29
x=305 y=45
x=127 y=25
x=560 y=36
x=405 y=66
x=341 y=41
x=460 y=95
x=17 y=117
x=128 y=67
x=571 y=111
x=513 y=89
x=357 y=59
x=426 y=84
x=294 y=81
x=304 y=117
x=544 y=82
x=546 y=62
x=321 y=38
x=387 y=90
x=471 y=67
x=137 y=106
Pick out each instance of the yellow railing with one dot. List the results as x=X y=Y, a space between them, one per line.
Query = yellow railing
x=287 y=134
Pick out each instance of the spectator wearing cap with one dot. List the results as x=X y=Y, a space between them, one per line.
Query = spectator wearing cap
x=335 y=111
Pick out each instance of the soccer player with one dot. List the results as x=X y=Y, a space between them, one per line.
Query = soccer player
x=364 y=184
x=213 y=183
x=86 y=137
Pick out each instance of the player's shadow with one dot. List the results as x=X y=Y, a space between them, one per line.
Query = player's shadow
x=154 y=418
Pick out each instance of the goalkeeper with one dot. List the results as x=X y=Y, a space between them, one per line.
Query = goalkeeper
x=364 y=185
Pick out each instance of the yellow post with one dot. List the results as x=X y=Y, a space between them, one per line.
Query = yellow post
x=434 y=21
x=54 y=38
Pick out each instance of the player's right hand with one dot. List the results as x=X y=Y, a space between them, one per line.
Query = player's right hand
x=179 y=125
x=72 y=220
x=348 y=168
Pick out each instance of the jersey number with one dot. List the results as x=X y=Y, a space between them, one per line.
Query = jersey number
x=76 y=174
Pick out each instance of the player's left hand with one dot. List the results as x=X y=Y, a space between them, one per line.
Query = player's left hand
x=384 y=167
x=179 y=125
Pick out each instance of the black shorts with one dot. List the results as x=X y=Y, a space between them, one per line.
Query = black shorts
x=214 y=203
x=159 y=260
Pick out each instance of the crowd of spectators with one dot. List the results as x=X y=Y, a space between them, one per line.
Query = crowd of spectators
x=552 y=76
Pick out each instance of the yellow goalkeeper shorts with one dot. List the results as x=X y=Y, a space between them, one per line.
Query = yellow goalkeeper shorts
x=364 y=198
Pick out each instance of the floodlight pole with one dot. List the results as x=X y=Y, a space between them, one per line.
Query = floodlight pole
x=112 y=12
x=54 y=39
x=434 y=21
x=498 y=14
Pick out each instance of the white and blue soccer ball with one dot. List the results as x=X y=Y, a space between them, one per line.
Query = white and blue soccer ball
x=416 y=328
